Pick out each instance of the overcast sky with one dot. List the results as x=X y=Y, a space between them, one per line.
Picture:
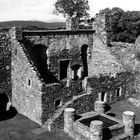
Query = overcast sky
x=42 y=9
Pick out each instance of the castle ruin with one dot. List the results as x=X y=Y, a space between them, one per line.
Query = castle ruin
x=44 y=72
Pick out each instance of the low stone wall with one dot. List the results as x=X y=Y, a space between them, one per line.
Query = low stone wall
x=107 y=84
x=98 y=130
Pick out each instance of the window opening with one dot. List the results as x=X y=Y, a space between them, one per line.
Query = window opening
x=29 y=82
x=63 y=69
x=118 y=92
x=57 y=103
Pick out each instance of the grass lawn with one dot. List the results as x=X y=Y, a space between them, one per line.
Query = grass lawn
x=117 y=110
x=18 y=127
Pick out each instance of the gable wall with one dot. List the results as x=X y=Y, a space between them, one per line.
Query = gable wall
x=25 y=98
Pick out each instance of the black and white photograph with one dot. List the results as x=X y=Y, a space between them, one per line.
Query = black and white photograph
x=69 y=70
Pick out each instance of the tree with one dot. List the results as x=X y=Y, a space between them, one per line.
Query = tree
x=79 y=8
x=124 y=26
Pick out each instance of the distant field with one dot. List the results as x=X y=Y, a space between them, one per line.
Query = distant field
x=29 y=24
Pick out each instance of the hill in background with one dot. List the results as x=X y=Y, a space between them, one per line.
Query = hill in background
x=33 y=24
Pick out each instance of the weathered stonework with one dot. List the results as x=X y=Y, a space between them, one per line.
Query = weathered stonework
x=5 y=64
x=129 y=122
x=72 y=23
x=26 y=97
x=48 y=71
x=61 y=45
x=128 y=55
x=95 y=126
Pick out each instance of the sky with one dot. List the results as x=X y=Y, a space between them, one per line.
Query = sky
x=41 y=10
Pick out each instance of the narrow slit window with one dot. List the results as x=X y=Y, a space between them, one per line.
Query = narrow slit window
x=102 y=96
x=118 y=92
x=29 y=82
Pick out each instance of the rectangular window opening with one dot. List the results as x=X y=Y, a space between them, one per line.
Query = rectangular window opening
x=64 y=66
x=118 y=91
x=29 y=82
x=102 y=96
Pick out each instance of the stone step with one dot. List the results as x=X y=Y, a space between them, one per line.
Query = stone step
x=123 y=136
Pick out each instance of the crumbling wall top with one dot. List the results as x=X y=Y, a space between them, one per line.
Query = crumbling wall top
x=57 y=32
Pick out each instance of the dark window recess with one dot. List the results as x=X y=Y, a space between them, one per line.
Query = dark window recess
x=57 y=103
x=118 y=92
x=102 y=96
x=75 y=69
x=84 y=60
x=29 y=82
x=63 y=70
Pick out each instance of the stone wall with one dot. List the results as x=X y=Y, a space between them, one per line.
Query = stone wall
x=26 y=85
x=101 y=25
x=106 y=73
x=72 y=23
x=109 y=85
x=56 y=92
x=128 y=55
x=137 y=63
x=124 y=53
x=124 y=82
x=102 y=60
x=5 y=63
x=61 y=45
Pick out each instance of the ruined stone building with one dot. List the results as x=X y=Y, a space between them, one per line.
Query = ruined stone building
x=43 y=72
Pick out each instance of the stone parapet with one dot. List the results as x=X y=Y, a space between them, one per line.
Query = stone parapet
x=69 y=117
x=129 y=122
x=96 y=130
x=99 y=107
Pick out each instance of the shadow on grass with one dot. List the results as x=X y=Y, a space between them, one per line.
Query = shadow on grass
x=107 y=134
x=111 y=114
x=77 y=117
x=107 y=107
x=137 y=129
x=6 y=114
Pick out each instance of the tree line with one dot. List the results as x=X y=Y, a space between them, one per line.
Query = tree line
x=123 y=26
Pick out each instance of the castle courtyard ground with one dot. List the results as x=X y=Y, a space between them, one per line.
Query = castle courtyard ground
x=18 y=127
